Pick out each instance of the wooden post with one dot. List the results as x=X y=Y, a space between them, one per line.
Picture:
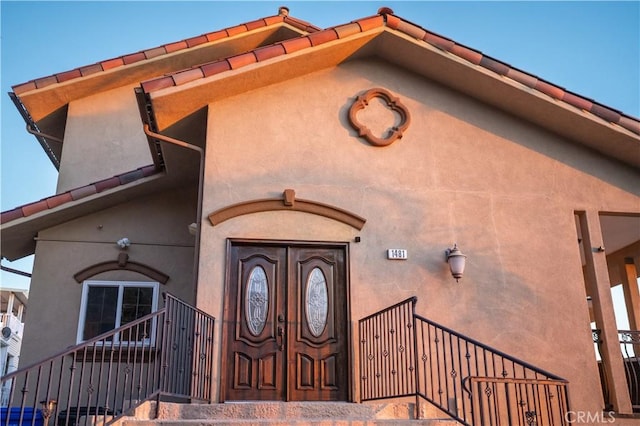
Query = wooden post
x=629 y=276
x=597 y=277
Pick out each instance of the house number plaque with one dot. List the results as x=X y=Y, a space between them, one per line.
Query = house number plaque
x=397 y=254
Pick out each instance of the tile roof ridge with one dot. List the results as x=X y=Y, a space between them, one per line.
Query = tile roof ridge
x=529 y=80
x=262 y=53
x=298 y=23
x=161 y=50
x=77 y=193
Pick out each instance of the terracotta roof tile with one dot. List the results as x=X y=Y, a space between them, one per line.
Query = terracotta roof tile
x=77 y=193
x=69 y=75
x=149 y=170
x=129 y=177
x=57 y=200
x=133 y=58
x=241 y=60
x=34 y=208
x=577 y=101
x=495 y=66
x=269 y=52
x=439 y=41
x=46 y=81
x=255 y=24
x=238 y=29
x=464 y=52
x=300 y=24
x=160 y=50
x=157 y=83
x=522 y=77
x=369 y=23
x=112 y=63
x=630 y=124
x=605 y=113
x=91 y=69
x=316 y=37
x=549 y=89
x=187 y=76
x=10 y=215
x=295 y=44
x=196 y=41
x=83 y=191
x=215 y=68
x=217 y=35
x=152 y=53
x=387 y=18
x=347 y=29
x=412 y=30
x=103 y=185
x=25 y=87
x=392 y=20
x=173 y=47
x=322 y=37
x=273 y=20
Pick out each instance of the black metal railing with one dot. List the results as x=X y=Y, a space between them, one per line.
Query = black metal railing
x=630 y=351
x=168 y=352
x=405 y=354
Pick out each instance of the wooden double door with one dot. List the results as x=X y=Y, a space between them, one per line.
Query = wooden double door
x=286 y=323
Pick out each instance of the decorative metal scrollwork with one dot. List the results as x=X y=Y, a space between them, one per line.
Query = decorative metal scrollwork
x=393 y=103
x=257 y=300
x=632 y=337
x=317 y=302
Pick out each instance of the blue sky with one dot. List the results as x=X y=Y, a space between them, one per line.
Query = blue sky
x=591 y=48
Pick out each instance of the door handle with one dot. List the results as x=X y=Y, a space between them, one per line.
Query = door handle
x=281 y=338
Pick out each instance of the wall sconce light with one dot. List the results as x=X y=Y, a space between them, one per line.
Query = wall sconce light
x=456 y=260
x=123 y=243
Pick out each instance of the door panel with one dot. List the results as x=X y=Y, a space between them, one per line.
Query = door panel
x=286 y=323
x=253 y=305
x=318 y=344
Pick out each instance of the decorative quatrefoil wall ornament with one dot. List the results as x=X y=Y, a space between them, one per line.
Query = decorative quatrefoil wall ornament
x=394 y=131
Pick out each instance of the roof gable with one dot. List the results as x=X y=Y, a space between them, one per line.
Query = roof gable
x=240 y=54
x=45 y=95
x=386 y=19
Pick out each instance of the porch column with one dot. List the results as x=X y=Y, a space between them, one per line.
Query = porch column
x=20 y=311
x=12 y=298
x=629 y=276
x=597 y=277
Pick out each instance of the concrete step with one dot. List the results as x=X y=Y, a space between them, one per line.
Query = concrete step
x=298 y=422
x=282 y=413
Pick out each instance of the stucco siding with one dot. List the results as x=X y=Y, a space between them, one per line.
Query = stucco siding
x=464 y=172
x=103 y=138
x=157 y=228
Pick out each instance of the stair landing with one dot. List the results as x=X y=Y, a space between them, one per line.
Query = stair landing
x=281 y=413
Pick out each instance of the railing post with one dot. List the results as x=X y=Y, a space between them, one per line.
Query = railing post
x=414 y=328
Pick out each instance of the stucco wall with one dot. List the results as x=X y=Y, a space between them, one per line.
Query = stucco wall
x=504 y=190
x=105 y=128
x=157 y=228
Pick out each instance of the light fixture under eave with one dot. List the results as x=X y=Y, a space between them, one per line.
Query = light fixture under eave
x=456 y=260
x=123 y=243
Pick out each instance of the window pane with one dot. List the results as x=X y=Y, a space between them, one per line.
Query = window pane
x=101 y=311
x=136 y=303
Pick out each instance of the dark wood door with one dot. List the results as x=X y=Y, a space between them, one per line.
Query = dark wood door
x=286 y=323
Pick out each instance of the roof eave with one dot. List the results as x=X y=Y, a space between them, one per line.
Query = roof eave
x=18 y=236
x=503 y=92
x=44 y=96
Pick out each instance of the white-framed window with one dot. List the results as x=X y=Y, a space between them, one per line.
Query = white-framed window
x=106 y=305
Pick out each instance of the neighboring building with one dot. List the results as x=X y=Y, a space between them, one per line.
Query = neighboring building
x=12 y=313
x=263 y=172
